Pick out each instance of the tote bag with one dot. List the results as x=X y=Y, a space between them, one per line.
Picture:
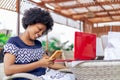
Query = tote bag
x=84 y=46
x=112 y=51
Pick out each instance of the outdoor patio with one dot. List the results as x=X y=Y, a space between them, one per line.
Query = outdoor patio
x=98 y=17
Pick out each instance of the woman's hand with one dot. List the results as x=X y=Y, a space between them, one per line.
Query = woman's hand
x=45 y=62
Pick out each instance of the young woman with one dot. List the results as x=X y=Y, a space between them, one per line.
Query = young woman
x=24 y=53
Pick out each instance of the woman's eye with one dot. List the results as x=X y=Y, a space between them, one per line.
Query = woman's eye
x=39 y=29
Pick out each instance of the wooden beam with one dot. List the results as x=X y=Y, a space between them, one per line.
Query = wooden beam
x=80 y=5
x=55 y=1
x=105 y=21
x=105 y=10
x=100 y=16
x=102 y=11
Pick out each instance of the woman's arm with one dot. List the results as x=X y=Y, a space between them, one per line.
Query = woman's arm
x=11 y=68
x=57 y=66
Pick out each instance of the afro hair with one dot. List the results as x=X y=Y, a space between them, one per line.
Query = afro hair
x=37 y=15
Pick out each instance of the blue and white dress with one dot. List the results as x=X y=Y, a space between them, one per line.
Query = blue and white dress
x=25 y=54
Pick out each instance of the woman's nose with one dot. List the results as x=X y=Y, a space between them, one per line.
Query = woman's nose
x=40 y=33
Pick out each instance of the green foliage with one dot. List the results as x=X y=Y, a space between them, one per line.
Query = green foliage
x=3 y=39
x=55 y=44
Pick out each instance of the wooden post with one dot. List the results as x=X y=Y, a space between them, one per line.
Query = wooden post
x=46 y=43
x=18 y=16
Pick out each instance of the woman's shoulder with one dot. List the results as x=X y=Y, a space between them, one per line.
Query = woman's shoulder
x=13 y=39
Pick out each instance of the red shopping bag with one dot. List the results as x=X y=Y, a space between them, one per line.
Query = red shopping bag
x=84 y=46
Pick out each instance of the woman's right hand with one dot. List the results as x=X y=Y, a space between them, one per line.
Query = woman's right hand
x=45 y=62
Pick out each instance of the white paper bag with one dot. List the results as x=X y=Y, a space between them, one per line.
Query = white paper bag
x=112 y=51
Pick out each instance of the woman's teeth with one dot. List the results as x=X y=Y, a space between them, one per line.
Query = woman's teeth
x=37 y=35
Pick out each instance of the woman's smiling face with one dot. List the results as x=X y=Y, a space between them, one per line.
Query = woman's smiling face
x=35 y=31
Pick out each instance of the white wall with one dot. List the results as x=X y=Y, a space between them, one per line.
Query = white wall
x=8 y=20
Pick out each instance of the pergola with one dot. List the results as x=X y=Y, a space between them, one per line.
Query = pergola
x=94 y=11
x=87 y=11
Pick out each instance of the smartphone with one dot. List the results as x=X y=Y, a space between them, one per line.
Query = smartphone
x=55 y=55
